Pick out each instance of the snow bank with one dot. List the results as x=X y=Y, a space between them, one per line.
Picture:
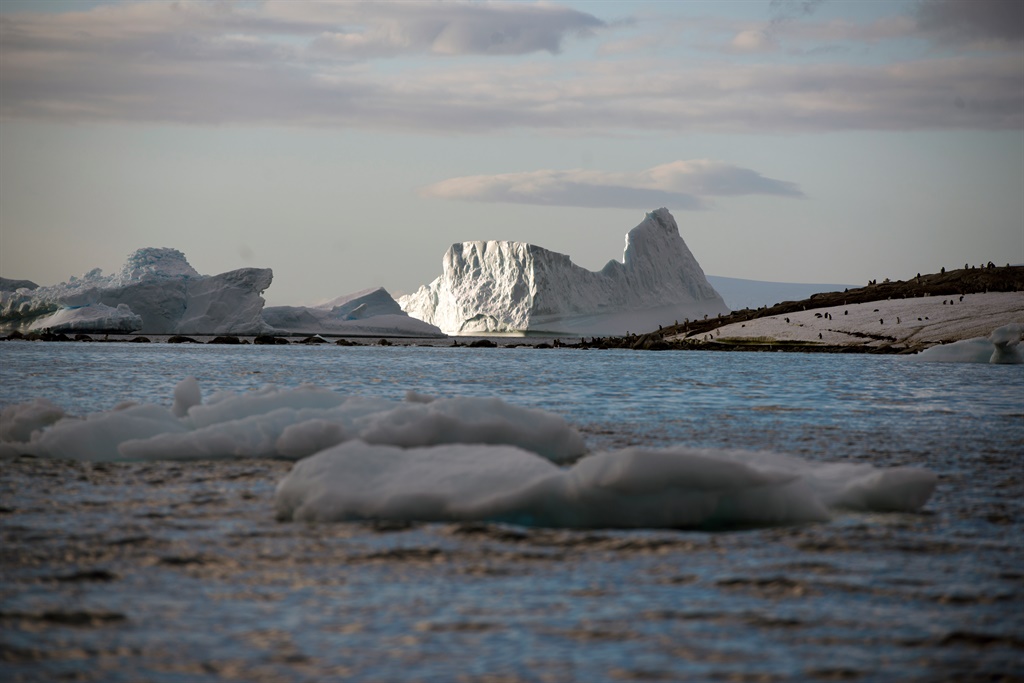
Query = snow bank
x=502 y=287
x=631 y=488
x=902 y=322
x=1002 y=346
x=278 y=423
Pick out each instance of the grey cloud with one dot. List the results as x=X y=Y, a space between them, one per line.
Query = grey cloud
x=681 y=185
x=146 y=70
x=784 y=10
x=958 y=21
x=357 y=29
x=592 y=196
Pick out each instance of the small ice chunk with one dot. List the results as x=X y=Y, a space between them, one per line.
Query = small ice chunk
x=18 y=422
x=310 y=436
x=1002 y=346
x=356 y=481
x=97 y=437
x=473 y=420
x=186 y=395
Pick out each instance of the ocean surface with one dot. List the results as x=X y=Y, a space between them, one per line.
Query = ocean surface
x=178 y=571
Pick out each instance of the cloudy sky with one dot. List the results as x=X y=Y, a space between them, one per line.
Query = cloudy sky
x=347 y=145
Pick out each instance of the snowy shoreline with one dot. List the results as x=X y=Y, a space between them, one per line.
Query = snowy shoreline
x=898 y=323
x=907 y=325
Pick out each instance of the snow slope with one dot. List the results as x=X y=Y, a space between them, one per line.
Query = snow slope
x=902 y=322
x=370 y=312
x=507 y=287
x=156 y=291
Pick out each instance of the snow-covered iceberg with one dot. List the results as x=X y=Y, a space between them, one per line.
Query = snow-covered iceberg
x=9 y=285
x=507 y=287
x=156 y=292
x=370 y=312
x=1001 y=347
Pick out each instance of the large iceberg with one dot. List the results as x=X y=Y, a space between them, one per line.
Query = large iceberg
x=370 y=312
x=508 y=287
x=156 y=292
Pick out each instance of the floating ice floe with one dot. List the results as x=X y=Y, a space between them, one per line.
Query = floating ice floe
x=1002 y=346
x=630 y=488
x=457 y=459
x=286 y=423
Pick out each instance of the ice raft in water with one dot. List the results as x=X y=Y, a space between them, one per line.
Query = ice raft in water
x=277 y=423
x=1002 y=347
x=630 y=488
x=460 y=459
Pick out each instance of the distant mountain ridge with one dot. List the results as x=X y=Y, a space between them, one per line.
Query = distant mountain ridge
x=739 y=293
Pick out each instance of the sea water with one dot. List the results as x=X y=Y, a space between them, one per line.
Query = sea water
x=177 y=571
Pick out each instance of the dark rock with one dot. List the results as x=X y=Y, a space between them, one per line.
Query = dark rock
x=482 y=344
x=315 y=339
x=83 y=338
x=269 y=339
x=140 y=340
x=225 y=339
x=179 y=339
x=383 y=342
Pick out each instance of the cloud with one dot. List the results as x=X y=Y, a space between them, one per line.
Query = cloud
x=957 y=21
x=351 y=29
x=321 y=64
x=752 y=40
x=454 y=29
x=681 y=185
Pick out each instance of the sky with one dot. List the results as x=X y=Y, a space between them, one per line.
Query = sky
x=347 y=145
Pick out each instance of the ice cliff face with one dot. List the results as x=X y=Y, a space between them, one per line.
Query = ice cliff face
x=156 y=292
x=502 y=287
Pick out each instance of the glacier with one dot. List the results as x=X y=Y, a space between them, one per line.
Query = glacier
x=156 y=291
x=369 y=312
x=489 y=287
